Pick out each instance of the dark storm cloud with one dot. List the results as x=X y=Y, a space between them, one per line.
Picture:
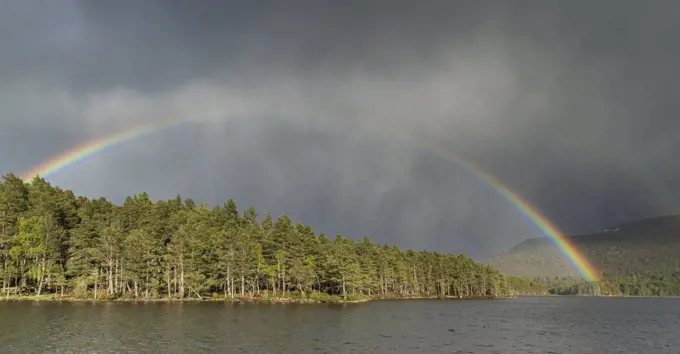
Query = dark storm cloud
x=573 y=104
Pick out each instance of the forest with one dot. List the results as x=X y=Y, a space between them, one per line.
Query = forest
x=54 y=242
x=642 y=284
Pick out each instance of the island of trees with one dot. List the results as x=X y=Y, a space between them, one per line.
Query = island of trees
x=56 y=244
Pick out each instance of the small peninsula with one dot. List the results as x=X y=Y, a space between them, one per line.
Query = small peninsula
x=56 y=245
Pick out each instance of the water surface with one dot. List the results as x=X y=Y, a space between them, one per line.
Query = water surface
x=525 y=325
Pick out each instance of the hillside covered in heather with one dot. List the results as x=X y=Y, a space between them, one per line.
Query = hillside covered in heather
x=643 y=254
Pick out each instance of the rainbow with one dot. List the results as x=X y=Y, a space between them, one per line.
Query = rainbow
x=563 y=243
x=92 y=147
x=81 y=152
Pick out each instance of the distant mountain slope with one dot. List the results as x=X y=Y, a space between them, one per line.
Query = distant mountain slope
x=651 y=245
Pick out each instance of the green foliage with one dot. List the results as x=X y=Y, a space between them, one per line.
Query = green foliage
x=644 y=284
x=52 y=241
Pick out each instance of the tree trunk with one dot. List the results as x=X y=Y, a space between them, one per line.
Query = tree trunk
x=110 y=275
x=5 y=278
x=122 y=279
x=96 y=277
x=344 y=290
x=243 y=285
x=415 y=287
x=116 y=285
x=228 y=280
x=181 y=276
x=168 y=282
x=195 y=292
x=174 y=270
x=146 y=280
x=42 y=275
x=256 y=282
x=23 y=274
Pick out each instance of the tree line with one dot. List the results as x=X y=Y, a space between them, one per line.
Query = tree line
x=639 y=284
x=52 y=241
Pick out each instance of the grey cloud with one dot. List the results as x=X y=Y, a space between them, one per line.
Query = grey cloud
x=572 y=104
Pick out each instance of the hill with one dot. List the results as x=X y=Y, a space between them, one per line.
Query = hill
x=645 y=246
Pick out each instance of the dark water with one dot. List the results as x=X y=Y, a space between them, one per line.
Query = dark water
x=527 y=325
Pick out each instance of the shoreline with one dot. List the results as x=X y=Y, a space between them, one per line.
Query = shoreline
x=295 y=300
x=604 y=296
x=255 y=300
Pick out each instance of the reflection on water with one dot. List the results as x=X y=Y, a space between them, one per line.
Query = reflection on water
x=527 y=325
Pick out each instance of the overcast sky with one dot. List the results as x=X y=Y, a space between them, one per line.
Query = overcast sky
x=328 y=110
